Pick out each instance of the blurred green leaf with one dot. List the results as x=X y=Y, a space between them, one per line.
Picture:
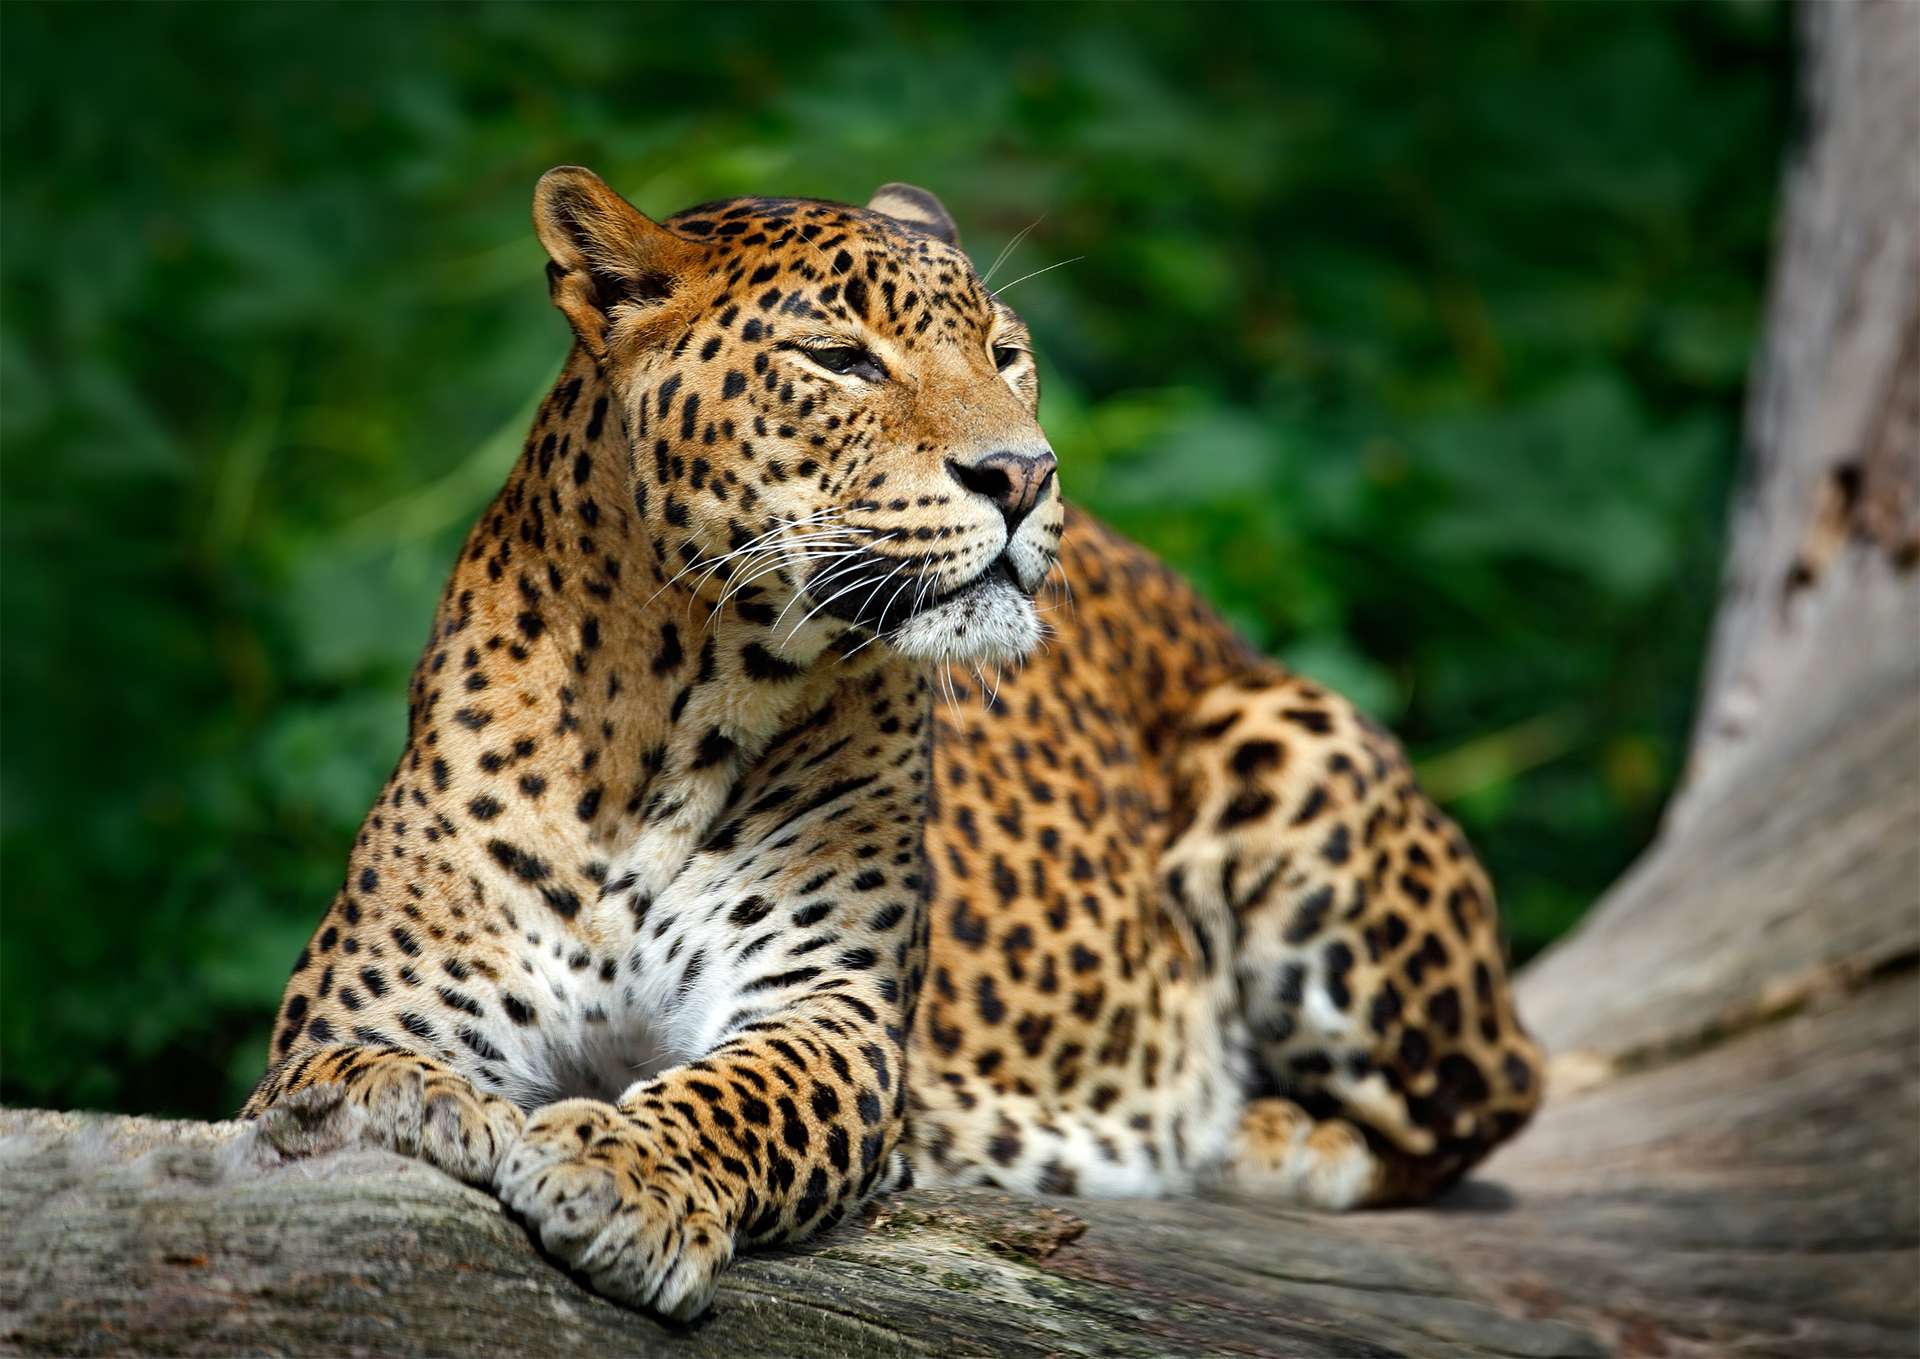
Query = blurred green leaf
x=1417 y=343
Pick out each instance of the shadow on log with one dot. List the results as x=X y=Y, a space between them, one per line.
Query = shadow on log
x=1727 y=1162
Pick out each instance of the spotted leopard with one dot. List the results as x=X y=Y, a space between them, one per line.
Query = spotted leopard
x=757 y=844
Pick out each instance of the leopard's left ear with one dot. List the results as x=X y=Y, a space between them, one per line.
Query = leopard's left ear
x=917 y=208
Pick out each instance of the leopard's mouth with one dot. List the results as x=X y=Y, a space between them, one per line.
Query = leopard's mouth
x=999 y=569
x=880 y=594
x=989 y=618
x=1000 y=572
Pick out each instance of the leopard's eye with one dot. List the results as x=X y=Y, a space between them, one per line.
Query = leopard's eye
x=1005 y=356
x=849 y=359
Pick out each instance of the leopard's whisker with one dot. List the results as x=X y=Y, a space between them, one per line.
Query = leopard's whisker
x=911 y=577
x=698 y=561
x=774 y=565
x=902 y=566
x=756 y=543
x=927 y=581
x=770 y=541
x=764 y=561
x=1008 y=249
x=803 y=547
x=997 y=292
x=820 y=578
x=1064 y=586
x=695 y=564
x=838 y=594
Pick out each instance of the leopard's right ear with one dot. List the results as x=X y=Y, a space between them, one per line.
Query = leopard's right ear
x=609 y=263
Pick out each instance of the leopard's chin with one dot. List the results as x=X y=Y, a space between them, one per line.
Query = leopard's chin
x=989 y=621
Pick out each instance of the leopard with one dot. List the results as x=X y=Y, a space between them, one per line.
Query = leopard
x=801 y=801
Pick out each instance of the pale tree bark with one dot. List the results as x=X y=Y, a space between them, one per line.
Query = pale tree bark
x=1822 y=587
x=1727 y=1162
x=1817 y=639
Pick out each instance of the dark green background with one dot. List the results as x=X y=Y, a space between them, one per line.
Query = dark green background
x=1416 y=335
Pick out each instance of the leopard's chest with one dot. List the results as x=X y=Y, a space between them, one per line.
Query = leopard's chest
x=649 y=976
x=583 y=1038
x=662 y=962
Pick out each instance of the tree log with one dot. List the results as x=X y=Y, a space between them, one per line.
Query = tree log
x=1727 y=1160
x=1755 y=1193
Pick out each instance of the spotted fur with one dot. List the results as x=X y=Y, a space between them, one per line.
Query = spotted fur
x=688 y=921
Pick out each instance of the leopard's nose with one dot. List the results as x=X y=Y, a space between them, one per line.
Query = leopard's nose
x=1013 y=481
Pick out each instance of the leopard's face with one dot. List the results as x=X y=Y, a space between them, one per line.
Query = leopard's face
x=833 y=421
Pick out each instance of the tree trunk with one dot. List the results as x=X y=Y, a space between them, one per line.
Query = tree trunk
x=1822 y=595
x=1727 y=1161
x=1786 y=866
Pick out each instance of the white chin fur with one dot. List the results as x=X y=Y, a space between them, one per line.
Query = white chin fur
x=992 y=623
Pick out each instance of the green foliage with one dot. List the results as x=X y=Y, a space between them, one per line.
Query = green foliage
x=1414 y=334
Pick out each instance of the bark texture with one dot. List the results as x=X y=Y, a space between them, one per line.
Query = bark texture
x=1822 y=583
x=1727 y=1163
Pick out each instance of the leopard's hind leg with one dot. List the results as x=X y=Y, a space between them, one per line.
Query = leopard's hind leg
x=1386 y=1055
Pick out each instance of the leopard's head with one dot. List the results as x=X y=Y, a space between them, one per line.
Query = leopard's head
x=832 y=419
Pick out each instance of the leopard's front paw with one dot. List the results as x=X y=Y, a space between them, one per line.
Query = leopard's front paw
x=605 y=1202
x=406 y=1104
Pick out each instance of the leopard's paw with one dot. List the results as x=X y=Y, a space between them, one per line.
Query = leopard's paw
x=422 y=1110
x=1283 y=1152
x=602 y=1201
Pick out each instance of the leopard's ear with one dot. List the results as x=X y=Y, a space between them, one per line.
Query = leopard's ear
x=917 y=208
x=608 y=262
